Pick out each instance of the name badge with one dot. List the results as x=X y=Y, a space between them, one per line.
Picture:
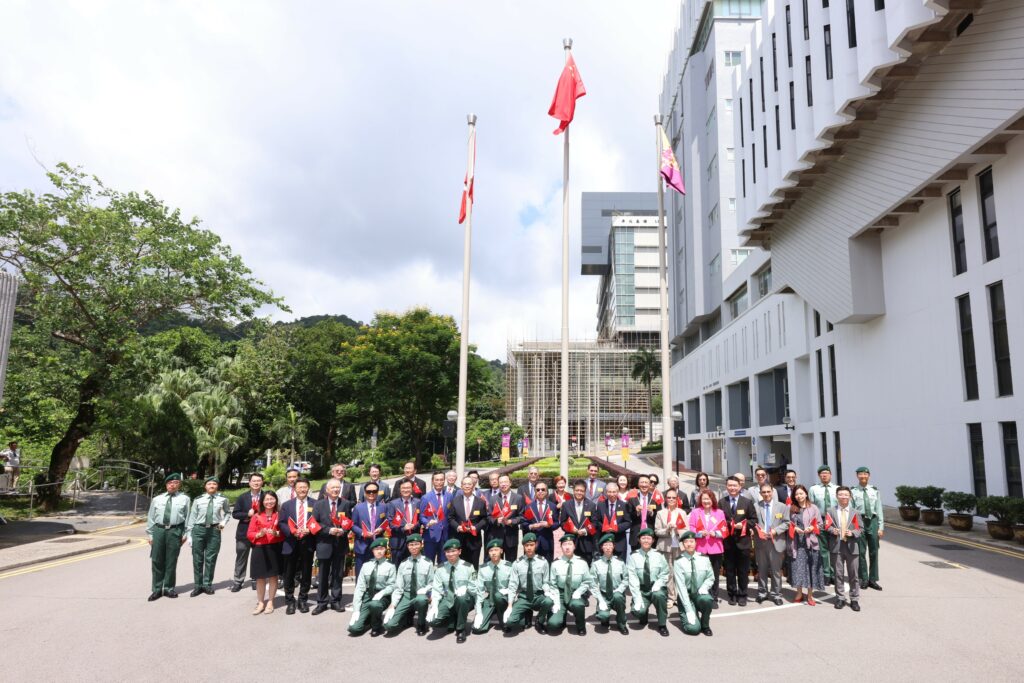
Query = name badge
x=618 y=513
x=476 y=512
x=778 y=515
x=514 y=507
x=740 y=512
x=586 y=514
x=380 y=516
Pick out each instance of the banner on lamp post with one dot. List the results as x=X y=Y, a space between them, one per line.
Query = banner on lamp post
x=625 y=446
x=506 y=442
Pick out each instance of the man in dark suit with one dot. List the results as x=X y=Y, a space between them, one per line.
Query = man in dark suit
x=383 y=490
x=419 y=487
x=405 y=510
x=467 y=519
x=785 y=490
x=246 y=505
x=333 y=514
x=433 y=507
x=579 y=517
x=504 y=526
x=529 y=490
x=298 y=547
x=740 y=518
x=644 y=509
x=535 y=521
x=613 y=517
x=369 y=519
x=348 y=489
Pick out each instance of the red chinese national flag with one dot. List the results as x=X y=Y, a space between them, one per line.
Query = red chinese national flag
x=496 y=512
x=792 y=530
x=428 y=511
x=569 y=527
x=416 y=489
x=570 y=88
x=607 y=527
x=528 y=515
x=467 y=181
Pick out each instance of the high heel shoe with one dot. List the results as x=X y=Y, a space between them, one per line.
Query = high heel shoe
x=799 y=598
x=259 y=608
x=810 y=601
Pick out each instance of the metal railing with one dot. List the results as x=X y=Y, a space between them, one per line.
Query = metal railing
x=111 y=475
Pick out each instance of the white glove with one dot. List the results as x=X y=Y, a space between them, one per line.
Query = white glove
x=578 y=593
x=657 y=585
x=508 y=612
x=554 y=597
x=638 y=605
x=691 y=619
x=460 y=591
x=388 y=613
x=423 y=591
x=504 y=591
x=380 y=594
x=435 y=598
x=478 y=620
x=701 y=591
x=602 y=605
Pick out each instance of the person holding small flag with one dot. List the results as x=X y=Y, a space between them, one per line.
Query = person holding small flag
x=804 y=535
x=453 y=592
x=264 y=533
x=374 y=587
x=845 y=526
x=299 y=529
x=694 y=577
x=209 y=515
x=578 y=518
x=506 y=514
x=526 y=589
x=432 y=519
x=369 y=520
x=707 y=521
x=246 y=507
x=669 y=524
x=740 y=516
x=648 y=581
x=165 y=527
x=403 y=519
x=770 y=544
x=540 y=519
x=334 y=514
x=467 y=519
x=611 y=580
x=492 y=594
x=410 y=599
x=569 y=583
x=419 y=487
x=613 y=517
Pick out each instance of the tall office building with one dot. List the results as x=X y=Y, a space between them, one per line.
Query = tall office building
x=878 y=151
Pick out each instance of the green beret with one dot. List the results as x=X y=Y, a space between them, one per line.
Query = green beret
x=213 y=478
x=414 y=538
x=494 y=543
x=568 y=537
x=863 y=469
x=824 y=468
x=646 y=532
x=379 y=543
x=529 y=538
x=607 y=538
x=687 y=534
x=452 y=543
x=173 y=476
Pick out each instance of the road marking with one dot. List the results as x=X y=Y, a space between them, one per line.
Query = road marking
x=773 y=608
x=961 y=541
x=71 y=560
x=111 y=529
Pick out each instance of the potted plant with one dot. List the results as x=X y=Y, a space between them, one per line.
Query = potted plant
x=961 y=506
x=1017 y=508
x=907 y=496
x=931 y=498
x=1000 y=507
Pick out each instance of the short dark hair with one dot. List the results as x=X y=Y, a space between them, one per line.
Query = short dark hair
x=373 y=465
x=302 y=480
x=579 y=482
x=470 y=473
x=844 y=488
x=257 y=474
x=729 y=478
x=292 y=469
x=702 y=474
x=788 y=471
x=766 y=485
x=759 y=468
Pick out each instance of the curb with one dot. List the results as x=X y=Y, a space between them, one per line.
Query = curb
x=63 y=555
x=135 y=521
x=942 y=533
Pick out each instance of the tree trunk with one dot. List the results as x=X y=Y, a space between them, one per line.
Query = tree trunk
x=329 y=446
x=65 y=449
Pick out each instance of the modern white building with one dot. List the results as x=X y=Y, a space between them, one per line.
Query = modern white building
x=879 y=156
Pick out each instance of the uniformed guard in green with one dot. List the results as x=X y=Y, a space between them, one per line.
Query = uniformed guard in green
x=372 y=596
x=694 y=577
x=611 y=579
x=409 y=600
x=165 y=526
x=453 y=592
x=492 y=588
x=209 y=515
x=823 y=495
x=569 y=583
x=648 y=581
x=526 y=588
x=868 y=502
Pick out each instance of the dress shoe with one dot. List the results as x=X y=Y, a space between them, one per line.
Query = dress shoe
x=732 y=600
x=541 y=628
x=290 y=609
x=303 y=607
x=529 y=620
x=319 y=609
x=155 y=596
x=624 y=630
x=602 y=627
x=874 y=584
x=195 y=592
x=642 y=622
x=714 y=605
x=420 y=631
x=171 y=593
x=742 y=602
x=337 y=607
x=236 y=587
x=376 y=632
x=839 y=604
x=855 y=606
x=777 y=601
x=759 y=599
x=829 y=581
x=707 y=632
x=581 y=630
x=799 y=598
x=663 y=631
x=461 y=638
x=208 y=590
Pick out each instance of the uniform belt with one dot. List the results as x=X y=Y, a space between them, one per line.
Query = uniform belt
x=170 y=526
x=210 y=525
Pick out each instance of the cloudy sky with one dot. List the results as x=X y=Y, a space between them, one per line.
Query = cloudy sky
x=326 y=141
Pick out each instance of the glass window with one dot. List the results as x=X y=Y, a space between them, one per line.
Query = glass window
x=807 y=71
x=733 y=58
x=761 y=62
x=728 y=104
x=730 y=153
x=828 y=52
x=753 y=162
x=712 y=167
x=879 y=4
x=764 y=282
x=738 y=256
x=977 y=459
x=817 y=324
x=1000 y=340
x=839 y=457
x=738 y=303
x=741 y=122
x=713 y=216
x=824 y=448
x=988 y=215
x=778 y=134
x=792 y=106
x=1011 y=454
x=775 y=65
x=715 y=265
x=956 y=223
x=821 y=384
x=851 y=23
x=764 y=144
x=832 y=372
x=732 y=203
x=789 y=37
x=743 y=175
x=807 y=28
x=970 y=364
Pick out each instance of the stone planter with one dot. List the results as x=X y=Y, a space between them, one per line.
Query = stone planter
x=1001 y=531
x=959 y=521
x=932 y=517
x=910 y=513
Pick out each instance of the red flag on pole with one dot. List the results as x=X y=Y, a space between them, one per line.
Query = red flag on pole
x=467 y=181
x=428 y=511
x=569 y=527
x=570 y=88
x=528 y=514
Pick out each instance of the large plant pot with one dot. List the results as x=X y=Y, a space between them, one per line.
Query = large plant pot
x=1018 y=533
x=932 y=517
x=910 y=513
x=1001 y=531
x=959 y=521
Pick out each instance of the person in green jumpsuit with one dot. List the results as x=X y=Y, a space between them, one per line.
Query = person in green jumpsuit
x=492 y=588
x=694 y=577
x=868 y=502
x=526 y=588
x=165 y=527
x=409 y=600
x=209 y=515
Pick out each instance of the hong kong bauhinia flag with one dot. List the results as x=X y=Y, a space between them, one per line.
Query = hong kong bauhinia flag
x=467 y=182
x=570 y=88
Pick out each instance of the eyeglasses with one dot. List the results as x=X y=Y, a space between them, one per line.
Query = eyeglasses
x=541 y=488
x=371 y=492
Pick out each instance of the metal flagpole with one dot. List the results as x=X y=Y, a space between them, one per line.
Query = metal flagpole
x=666 y=404
x=460 y=433
x=564 y=436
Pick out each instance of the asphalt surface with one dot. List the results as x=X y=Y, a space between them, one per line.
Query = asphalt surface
x=87 y=617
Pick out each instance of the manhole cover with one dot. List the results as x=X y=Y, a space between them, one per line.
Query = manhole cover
x=70 y=539
x=950 y=546
x=942 y=565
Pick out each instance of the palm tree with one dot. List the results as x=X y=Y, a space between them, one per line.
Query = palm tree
x=292 y=427
x=219 y=429
x=646 y=368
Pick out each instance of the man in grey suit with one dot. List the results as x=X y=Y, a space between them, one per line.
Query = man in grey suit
x=595 y=487
x=843 y=525
x=770 y=544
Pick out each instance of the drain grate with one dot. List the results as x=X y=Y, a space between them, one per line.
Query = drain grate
x=70 y=539
x=942 y=565
x=950 y=546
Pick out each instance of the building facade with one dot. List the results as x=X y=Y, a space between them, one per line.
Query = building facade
x=878 y=148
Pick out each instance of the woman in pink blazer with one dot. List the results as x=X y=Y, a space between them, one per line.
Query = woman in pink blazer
x=708 y=522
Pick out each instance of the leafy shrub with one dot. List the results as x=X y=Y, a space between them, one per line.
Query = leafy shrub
x=274 y=475
x=931 y=497
x=908 y=495
x=959 y=502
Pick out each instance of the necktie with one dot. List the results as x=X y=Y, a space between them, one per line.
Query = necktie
x=543 y=512
x=469 y=507
x=334 y=509
x=608 y=581
x=413 y=582
x=611 y=510
x=529 y=577
x=451 y=577
x=646 y=583
x=767 y=518
x=733 y=506
x=568 y=583
x=301 y=505
x=693 y=576
x=843 y=520
x=643 y=507
x=494 y=581
x=373 y=517
x=372 y=583
x=167 y=510
x=408 y=513
x=591 y=488
x=828 y=499
x=292 y=490
x=867 y=510
x=209 y=511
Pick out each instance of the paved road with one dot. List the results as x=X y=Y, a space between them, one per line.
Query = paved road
x=87 y=618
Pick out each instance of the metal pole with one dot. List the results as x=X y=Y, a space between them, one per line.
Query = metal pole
x=666 y=404
x=460 y=430
x=564 y=441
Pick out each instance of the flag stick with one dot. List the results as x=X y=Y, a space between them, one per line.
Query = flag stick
x=460 y=430
x=564 y=433
x=666 y=404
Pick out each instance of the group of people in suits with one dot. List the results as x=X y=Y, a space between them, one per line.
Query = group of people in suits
x=417 y=547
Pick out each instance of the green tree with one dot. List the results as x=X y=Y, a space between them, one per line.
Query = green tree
x=488 y=433
x=291 y=428
x=646 y=368
x=100 y=265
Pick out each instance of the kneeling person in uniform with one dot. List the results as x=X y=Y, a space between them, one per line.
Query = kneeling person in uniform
x=453 y=591
x=373 y=592
x=569 y=583
x=526 y=588
x=694 y=577
x=648 y=581
x=492 y=588
x=409 y=598
x=611 y=580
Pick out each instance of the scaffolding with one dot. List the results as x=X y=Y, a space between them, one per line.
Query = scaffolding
x=604 y=399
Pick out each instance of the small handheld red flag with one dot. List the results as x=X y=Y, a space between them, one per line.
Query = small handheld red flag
x=789 y=500
x=680 y=521
x=569 y=527
x=792 y=531
x=396 y=521
x=856 y=522
x=814 y=526
x=416 y=489
x=658 y=500
x=366 y=530
x=570 y=88
x=496 y=512
x=588 y=526
x=528 y=515
x=550 y=518
x=428 y=511
x=760 y=533
x=828 y=522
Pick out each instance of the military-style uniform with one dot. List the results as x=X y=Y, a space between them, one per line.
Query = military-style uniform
x=694 y=577
x=492 y=593
x=165 y=526
x=648 y=584
x=868 y=502
x=611 y=579
x=569 y=583
x=452 y=594
x=526 y=589
x=208 y=517
x=824 y=498
x=372 y=596
x=409 y=598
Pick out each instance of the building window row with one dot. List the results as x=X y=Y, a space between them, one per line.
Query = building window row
x=989 y=226
x=1011 y=458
